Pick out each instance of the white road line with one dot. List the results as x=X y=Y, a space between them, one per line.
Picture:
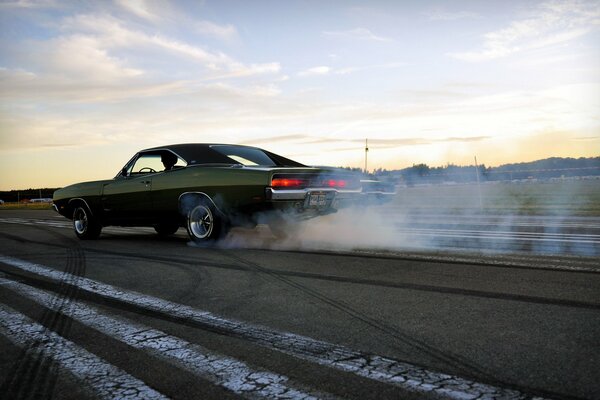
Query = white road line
x=68 y=225
x=507 y=233
x=508 y=221
x=382 y=369
x=499 y=236
x=106 y=380
x=224 y=371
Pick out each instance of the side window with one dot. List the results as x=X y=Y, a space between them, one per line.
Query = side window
x=155 y=162
x=146 y=164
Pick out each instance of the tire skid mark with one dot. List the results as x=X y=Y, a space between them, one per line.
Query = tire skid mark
x=373 y=282
x=442 y=289
x=68 y=225
x=106 y=380
x=154 y=258
x=34 y=373
x=453 y=258
x=549 y=264
x=386 y=370
x=433 y=353
x=224 y=371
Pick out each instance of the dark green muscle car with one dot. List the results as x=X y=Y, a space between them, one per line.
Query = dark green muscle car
x=207 y=188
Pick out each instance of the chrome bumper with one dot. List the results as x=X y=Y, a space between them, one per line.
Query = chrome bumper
x=302 y=194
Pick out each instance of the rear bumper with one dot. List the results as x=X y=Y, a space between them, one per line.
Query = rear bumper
x=334 y=199
x=302 y=194
x=302 y=204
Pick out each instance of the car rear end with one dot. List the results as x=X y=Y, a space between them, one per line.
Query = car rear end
x=312 y=192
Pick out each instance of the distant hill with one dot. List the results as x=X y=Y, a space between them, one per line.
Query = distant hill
x=553 y=163
x=546 y=169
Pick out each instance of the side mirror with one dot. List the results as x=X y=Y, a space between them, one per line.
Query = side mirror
x=124 y=172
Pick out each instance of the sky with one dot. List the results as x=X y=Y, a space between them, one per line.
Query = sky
x=84 y=85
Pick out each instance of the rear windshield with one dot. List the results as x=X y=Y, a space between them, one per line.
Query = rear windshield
x=248 y=156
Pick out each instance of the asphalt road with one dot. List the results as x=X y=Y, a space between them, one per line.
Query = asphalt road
x=316 y=316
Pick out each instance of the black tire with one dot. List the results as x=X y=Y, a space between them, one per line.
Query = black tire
x=85 y=225
x=204 y=224
x=166 y=229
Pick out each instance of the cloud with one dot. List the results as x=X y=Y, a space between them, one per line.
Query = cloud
x=358 y=33
x=30 y=4
x=303 y=139
x=82 y=57
x=176 y=112
x=321 y=70
x=464 y=139
x=157 y=11
x=391 y=65
x=326 y=70
x=140 y=8
x=587 y=138
x=277 y=139
x=110 y=86
x=396 y=142
x=223 y=32
x=547 y=25
x=110 y=34
x=439 y=14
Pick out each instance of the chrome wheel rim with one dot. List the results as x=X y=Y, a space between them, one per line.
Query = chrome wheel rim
x=201 y=222
x=80 y=221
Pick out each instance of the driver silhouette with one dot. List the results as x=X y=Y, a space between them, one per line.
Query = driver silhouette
x=169 y=160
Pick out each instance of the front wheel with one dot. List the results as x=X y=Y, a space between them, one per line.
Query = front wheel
x=85 y=225
x=204 y=224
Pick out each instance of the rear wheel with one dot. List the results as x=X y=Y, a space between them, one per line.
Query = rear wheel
x=85 y=225
x=204 y=224
x=166 y=229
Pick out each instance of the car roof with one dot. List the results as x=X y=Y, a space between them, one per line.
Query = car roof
x=192 y=153
x=187 y=147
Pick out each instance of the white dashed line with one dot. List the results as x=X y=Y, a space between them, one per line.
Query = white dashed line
x=228 y=372
x=382 y=369
x=107 y=381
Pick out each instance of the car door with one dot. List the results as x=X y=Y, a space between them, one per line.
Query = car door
x=127 y=199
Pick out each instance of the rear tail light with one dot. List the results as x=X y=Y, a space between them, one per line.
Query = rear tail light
x=315 y=181
x=288 y=183
x=336 y=183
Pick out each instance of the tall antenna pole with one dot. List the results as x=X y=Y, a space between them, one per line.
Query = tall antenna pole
x=366 y=153
x=478 y=185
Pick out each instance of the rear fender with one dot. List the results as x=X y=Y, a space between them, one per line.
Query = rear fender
x=188 y=200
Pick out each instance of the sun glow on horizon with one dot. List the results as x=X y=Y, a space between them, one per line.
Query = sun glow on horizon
x=505 y=81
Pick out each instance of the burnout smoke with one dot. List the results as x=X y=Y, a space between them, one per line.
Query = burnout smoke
x=526 y=217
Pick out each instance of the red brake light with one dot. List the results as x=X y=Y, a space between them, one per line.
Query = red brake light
x=334 y=183
x=287 y=182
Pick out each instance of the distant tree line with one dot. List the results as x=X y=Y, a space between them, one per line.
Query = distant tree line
x=545 y=169
x=14 y=196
